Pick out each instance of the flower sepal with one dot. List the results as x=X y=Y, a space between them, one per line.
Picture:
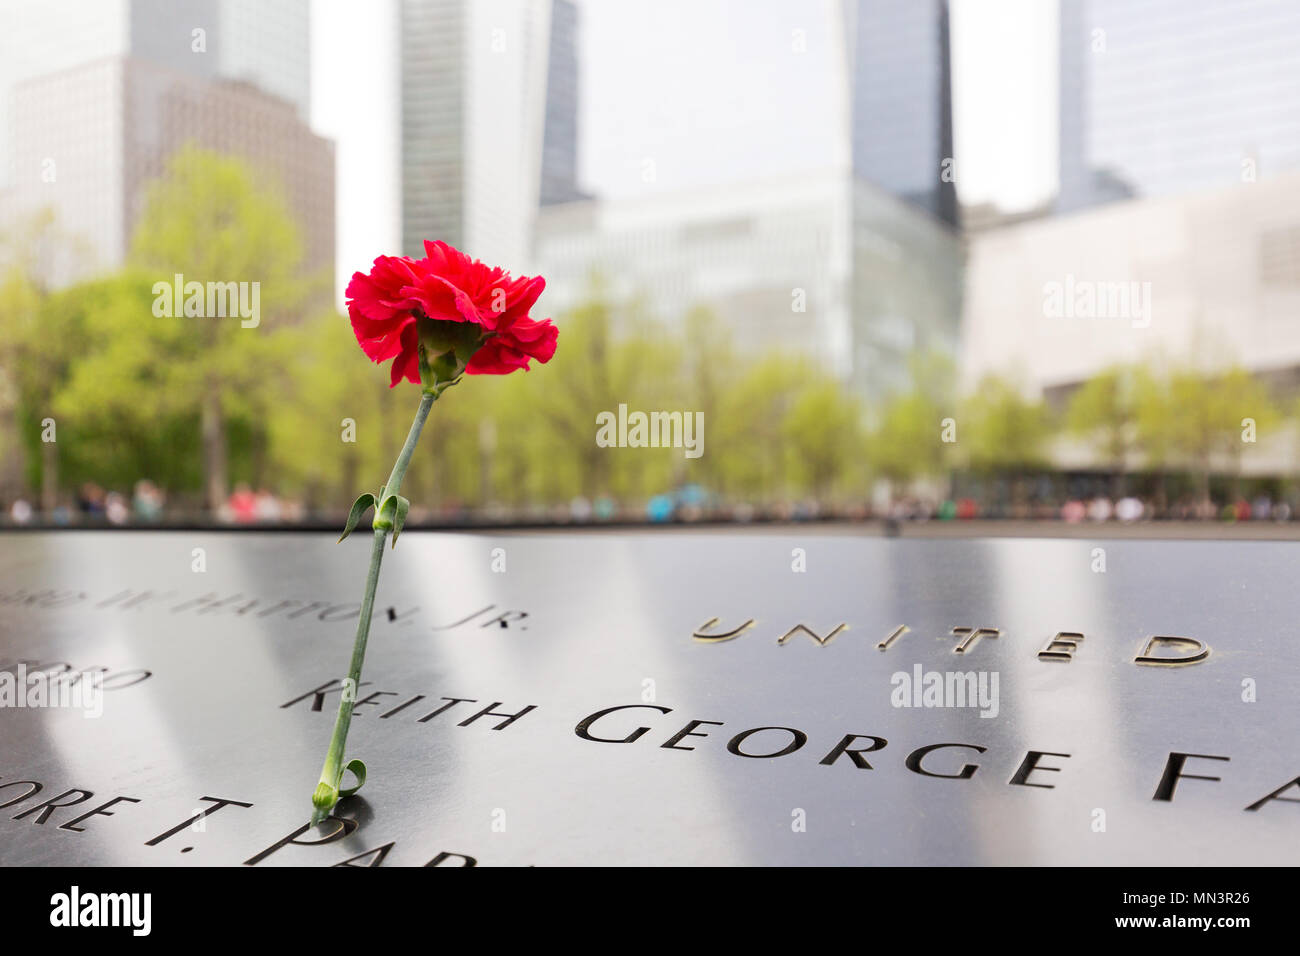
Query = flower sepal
x=327 y=796
x=322 y=801
x=445 y=351
x=390 y=515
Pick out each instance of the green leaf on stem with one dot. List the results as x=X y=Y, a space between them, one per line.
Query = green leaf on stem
x=359 y=770
x=327 y=797
x=359 y=508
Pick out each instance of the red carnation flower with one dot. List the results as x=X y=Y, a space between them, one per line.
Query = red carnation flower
x=401 y=299
x=437 y=318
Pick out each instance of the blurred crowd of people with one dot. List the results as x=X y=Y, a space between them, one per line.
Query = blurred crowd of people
x=1127 y=510
x=147 y=505
x=246 y=506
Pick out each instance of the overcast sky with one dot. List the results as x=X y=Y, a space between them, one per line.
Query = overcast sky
x=710 y=87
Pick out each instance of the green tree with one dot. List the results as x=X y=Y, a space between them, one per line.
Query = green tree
x=594 y=371
x=907 y=442
x=333 y=422
x=710 y=368
x=823 y=431
x=208 y=220
x=37 y=345
x=1193 y=417
x=32 y=372
x=753 y=418
x=116 y=427
x=1104 y=411
x=1002 y=430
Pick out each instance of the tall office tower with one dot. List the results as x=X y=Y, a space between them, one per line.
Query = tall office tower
x=1171 y=96
x=474 y=90
x=851 y=258
x=267 y=45
x=264 y=44
x=560 y=140
x=1076 y=180
x=901 y=100
x=88 y=141
x=97 y=95
x=433 y=118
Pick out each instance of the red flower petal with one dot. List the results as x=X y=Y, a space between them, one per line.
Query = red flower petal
x=522 y=297
x=407 y=363
x=440 y=299
x=379 y=341
x=506 y=352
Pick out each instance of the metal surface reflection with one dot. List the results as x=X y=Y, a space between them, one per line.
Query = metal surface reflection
x=654 y=699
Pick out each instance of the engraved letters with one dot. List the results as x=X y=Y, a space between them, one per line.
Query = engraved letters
x=1178 y=651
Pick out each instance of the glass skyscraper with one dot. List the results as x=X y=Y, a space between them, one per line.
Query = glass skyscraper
x=901 y=95
x=560 y=141
x=433 y=117
x=489 y=121
x=1170 y=96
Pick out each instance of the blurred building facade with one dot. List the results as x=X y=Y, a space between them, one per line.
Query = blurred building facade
x=1166 y=96
x=475 y=112
x=93 y=120
x=901 y=100
x=266 y=45
x=42 y=38
x=560 y=137
x=827 y=266
x=857 y=263
x=1211 y=277
x=907 y=290
x=95 y=136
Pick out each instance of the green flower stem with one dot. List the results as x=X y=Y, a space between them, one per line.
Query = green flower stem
x=327 y=791
x=413 y=436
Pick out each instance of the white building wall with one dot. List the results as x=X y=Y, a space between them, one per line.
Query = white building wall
x=30 y=47
x=1223 y=269
x=68 y=156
